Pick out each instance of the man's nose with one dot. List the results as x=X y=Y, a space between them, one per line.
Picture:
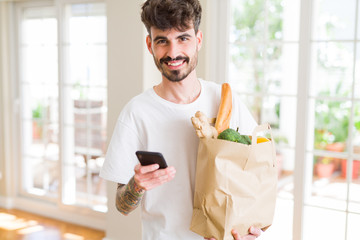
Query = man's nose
x=173 y=50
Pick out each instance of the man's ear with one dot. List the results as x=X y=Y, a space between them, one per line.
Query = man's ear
x=149 y=43
x=199 y=37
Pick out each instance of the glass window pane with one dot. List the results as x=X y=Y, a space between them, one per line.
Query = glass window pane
x=246 y=70
x=84 y=101
x=263 y=62
x=39 y=63
x=327 y=189
x=290 y=19
x=334 y=20
x=264 y=69
x=331 y=124
x=278 y=111
x=332 y=62
x=39 y=102
x=41 y=169
x=87 y=27
x=323 y=224
x=357 y=72
x=354 y=189
x=356 y=129
x=87 y=65
x=275 y=13
x=39 y=45
x=281 y=69
x=248 y=20
x=82 y=183
x=32 y=34
x=85 y=104
x=358 y=23
x=86 y=44
x=43 y=101
x=283 y=19
x=353 y=226
x=258 y=20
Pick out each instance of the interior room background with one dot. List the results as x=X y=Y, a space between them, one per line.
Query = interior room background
x=67 y=67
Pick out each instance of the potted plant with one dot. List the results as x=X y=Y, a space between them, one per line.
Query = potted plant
x=331 y=124
x=324 y=167
x=356 y=150
x=37 y=116
x=355 y=168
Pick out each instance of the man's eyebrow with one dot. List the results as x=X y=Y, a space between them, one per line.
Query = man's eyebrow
x=159 y=37
x=184 y=35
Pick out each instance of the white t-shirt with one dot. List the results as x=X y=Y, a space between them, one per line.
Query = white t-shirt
x=149 y=122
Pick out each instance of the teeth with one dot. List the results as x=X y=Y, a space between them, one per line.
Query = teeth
x=175 y=64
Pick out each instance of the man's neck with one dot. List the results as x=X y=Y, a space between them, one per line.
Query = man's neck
x=182 y=92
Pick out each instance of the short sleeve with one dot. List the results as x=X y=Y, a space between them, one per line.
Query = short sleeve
x=120 y=159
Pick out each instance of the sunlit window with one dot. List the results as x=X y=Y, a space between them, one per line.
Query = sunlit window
x=264 y=66
x=63 y=86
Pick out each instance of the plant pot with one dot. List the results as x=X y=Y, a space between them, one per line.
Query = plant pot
x=324 y=170
x=355 y=170
x=36 y=130
x=336 y=147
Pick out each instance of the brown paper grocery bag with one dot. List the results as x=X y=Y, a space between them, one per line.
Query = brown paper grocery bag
x=235 y=186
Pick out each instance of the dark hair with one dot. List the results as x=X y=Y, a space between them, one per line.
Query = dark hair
x=167 y=14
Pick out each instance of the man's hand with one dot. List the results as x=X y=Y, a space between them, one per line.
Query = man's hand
x=149 y=177
x=254 y=233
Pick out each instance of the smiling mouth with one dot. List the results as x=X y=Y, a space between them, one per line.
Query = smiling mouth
x=175 y=64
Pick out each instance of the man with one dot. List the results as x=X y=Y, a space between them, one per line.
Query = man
x=159 y=120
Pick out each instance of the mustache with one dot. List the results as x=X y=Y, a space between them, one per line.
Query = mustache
x=168 y=59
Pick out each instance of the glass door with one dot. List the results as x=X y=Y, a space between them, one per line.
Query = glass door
x=39 y=89
x=84 y=89
x=263 y=67
x=63 y=91
x=332 y=198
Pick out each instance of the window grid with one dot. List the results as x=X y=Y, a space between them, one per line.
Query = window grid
x=304 y=180
x=53 y=116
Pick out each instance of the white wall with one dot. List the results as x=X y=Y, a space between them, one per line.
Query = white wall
x=126 y=71
x=2 y=165
x=6 y=111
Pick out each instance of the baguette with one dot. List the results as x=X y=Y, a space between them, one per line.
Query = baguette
x=225 y=109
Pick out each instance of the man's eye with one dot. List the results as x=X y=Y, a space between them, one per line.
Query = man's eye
x=161 y=42
x=183 y=39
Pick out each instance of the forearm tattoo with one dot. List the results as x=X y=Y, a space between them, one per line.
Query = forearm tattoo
x=128 y=196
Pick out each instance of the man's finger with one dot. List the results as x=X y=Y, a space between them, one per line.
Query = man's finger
x=157 y=173
x=235 y=234
x=145 y=169
x=255 y=231
x=153 y=179
x=154 y=183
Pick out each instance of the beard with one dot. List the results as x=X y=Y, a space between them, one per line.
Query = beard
x=176 y=75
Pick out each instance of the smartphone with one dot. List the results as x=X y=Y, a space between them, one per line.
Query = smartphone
x=148 y=158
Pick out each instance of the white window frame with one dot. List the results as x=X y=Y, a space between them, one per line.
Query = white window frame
x=22 y=199
x=218 y=52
